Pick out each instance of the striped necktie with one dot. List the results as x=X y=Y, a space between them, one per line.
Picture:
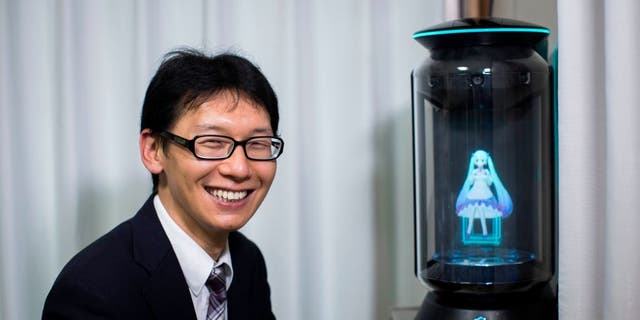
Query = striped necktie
x=217 y=294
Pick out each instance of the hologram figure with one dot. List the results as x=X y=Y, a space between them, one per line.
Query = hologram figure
x=477 y=199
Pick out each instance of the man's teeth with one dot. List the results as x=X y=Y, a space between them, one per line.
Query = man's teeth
x=229 y=195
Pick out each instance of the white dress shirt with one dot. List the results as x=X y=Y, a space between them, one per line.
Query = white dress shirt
x=196 y=264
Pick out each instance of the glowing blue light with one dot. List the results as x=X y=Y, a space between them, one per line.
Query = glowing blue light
x=494 y=238
x=478 y=30
x=480 y=318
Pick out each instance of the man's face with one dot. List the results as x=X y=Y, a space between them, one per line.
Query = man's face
x=213 y=197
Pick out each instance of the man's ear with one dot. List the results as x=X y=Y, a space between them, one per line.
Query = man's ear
x=151 y=151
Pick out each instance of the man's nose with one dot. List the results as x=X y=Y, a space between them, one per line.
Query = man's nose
x=237 y=166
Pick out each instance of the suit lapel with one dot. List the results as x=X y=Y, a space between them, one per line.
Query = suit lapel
x=166 y=291
x=239 y=292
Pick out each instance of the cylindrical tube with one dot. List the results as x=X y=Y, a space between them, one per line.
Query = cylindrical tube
x=483 y=164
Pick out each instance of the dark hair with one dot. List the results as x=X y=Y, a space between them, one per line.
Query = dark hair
x=187 y=77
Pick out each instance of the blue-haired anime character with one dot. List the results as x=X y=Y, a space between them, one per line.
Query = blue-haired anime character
x=477 y=199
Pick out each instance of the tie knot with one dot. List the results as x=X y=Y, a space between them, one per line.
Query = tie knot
x=216 y=282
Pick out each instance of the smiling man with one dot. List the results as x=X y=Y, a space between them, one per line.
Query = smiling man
x=209 y=139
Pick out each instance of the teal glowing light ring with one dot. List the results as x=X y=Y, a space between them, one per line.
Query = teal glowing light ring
x=477 y=30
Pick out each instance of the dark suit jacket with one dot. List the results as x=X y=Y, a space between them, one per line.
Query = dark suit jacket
x=132 y=273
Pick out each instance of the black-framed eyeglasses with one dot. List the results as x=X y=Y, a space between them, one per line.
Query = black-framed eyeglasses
x=217 y=147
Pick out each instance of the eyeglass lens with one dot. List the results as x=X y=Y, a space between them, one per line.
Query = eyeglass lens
x=263 y=148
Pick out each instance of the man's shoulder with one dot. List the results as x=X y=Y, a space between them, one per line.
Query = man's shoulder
x=111 y=252
x=94 y=275
x=107 y=272
x=104 y=256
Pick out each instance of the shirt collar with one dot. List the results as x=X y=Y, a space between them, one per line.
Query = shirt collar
x=196 y=264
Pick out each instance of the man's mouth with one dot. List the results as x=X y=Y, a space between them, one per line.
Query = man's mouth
x=227 y=195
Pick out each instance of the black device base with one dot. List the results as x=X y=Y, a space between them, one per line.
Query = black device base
x=538 y=305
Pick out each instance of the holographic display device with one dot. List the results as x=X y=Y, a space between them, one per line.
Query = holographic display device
x=484 y=173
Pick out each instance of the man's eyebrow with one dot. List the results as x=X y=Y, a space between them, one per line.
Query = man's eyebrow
x=262 y=130
x=205 y=127
x=211 y=127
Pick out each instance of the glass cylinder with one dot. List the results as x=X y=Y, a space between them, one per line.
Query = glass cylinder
x=483 y=128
